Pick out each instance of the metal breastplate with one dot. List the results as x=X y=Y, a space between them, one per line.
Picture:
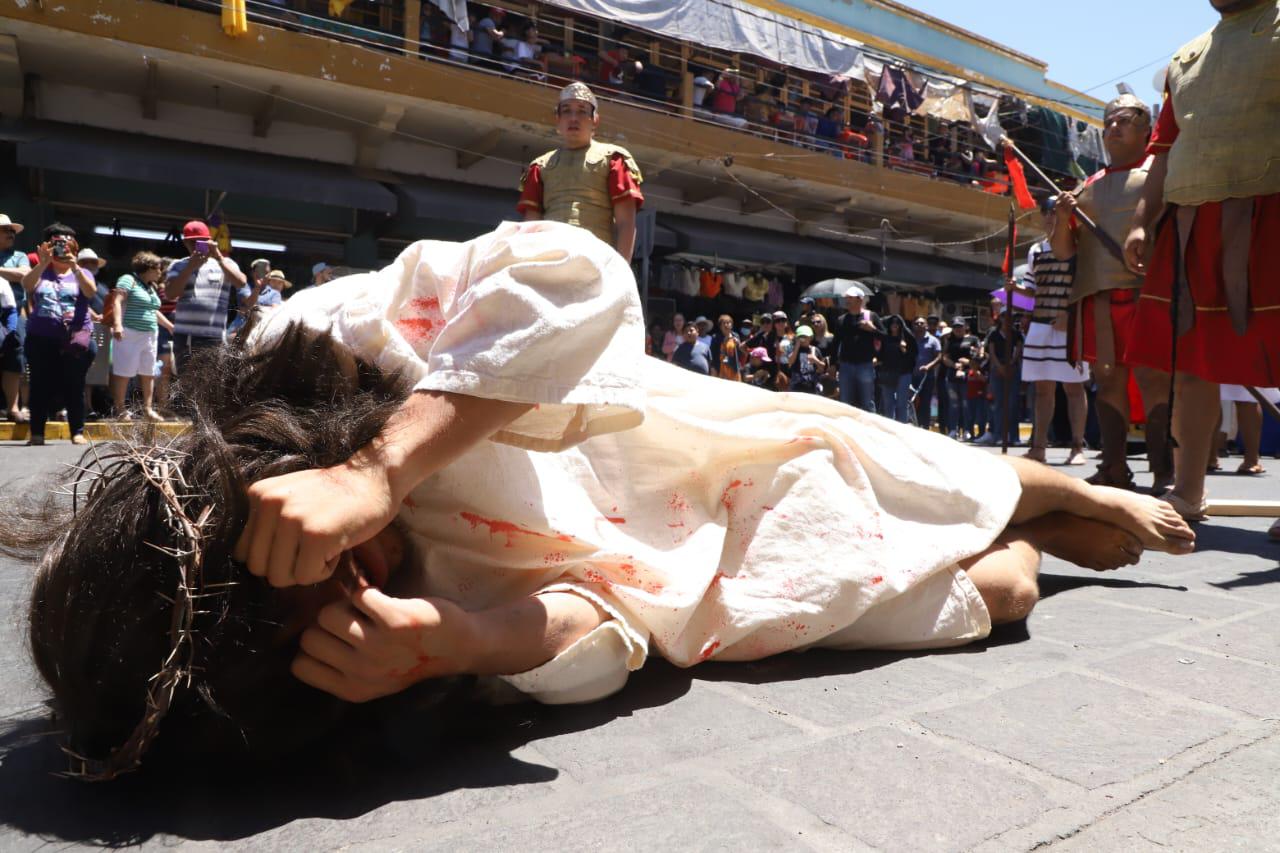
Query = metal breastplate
x=575 y=189
x=1226 y=94
x=1110 y=201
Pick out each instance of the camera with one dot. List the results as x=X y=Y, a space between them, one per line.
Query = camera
x=60 y=247
x=203 y=247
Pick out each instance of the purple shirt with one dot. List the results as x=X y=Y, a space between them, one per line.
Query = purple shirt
x=57 y=305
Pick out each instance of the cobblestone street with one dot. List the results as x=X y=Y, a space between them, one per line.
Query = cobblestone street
x=1135 y=710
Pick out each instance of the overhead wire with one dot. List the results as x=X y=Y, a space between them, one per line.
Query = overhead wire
x=807 y=201
x=271 y=12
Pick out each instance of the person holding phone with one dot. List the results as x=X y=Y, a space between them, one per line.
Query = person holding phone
x=202 y=284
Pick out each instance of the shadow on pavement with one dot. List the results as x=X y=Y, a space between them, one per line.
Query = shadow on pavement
x=1247 y=579
x=1234 y=540
x=386 y=753
x=1051 y=584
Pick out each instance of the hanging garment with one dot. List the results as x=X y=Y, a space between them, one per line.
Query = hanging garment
x=897 y=94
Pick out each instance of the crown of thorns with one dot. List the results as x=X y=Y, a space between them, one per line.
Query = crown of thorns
x=161 y=468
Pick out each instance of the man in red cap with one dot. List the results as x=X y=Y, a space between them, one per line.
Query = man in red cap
x=202 y=283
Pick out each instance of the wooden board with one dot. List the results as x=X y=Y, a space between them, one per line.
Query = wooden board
x=1250 y=509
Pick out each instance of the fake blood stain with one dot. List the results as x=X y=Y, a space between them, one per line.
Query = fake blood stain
x=727 y=497
x=508 y=529
x=708 y=650
x=421 y=320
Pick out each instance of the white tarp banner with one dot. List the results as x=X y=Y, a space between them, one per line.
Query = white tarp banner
x=736 y=27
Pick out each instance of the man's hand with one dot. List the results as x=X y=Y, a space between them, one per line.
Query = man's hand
x=300 y=523
x=866 y=325
x=374 y=645
x=1135 y=251
x=117 y=333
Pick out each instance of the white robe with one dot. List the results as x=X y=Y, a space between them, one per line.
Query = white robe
x=708 y=518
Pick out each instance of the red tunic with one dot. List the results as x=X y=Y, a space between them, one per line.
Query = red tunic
x=621 y=186
x=1211 y=349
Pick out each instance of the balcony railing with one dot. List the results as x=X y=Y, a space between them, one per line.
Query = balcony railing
x=818 y=115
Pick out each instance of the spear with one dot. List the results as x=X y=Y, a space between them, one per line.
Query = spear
x=1006 y=323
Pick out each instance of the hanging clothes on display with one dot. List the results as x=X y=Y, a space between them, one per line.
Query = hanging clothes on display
x=897 y=94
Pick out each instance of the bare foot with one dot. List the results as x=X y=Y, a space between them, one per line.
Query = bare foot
x=1085 y=542
x=1157 y=525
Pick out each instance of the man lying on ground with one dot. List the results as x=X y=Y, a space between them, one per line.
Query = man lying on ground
x=462 y=464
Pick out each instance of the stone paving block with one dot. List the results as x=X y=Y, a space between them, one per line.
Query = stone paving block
x=1087 y=623
x=887 y=683
x=897 y=791
x=1012 y=650
x=701 y=722
x=1256 y=637
x=1227 y=805
x=1086 y=731
x=1233 y=684
x=691 y=816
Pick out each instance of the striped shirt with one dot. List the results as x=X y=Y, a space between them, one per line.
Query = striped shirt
x=202 y=310
x=141 y=302
x=1051 y=280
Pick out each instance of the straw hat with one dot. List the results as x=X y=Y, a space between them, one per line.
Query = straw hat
x=6 y=222
x=277 y=277
x=88 y=257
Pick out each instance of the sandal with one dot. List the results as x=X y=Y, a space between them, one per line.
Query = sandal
x=1251 y=470
x=1102 y=477
x=1035 y=454
x=1076 y=457
x=79 y=438
x=1185 y=509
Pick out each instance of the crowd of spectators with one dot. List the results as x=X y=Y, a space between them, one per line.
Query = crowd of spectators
x=775 y=107
x=78 y=339
x=918 y=370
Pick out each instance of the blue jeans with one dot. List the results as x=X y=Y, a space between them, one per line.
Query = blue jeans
x=896 y=393
x=999 y=387
x=956 y=408
x=979 y=412
x=858 y=385
x=924 y=383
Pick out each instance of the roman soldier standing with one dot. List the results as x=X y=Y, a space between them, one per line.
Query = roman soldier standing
x=593 y=185
x=1104 y=297
x=1210 y=305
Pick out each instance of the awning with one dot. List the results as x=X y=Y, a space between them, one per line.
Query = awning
x=448 y=201
x=735 y=27
x=901 y=267
x=84 y=151
x=761 y=246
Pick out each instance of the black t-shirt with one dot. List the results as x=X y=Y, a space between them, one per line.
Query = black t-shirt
x=855 y=344
x=893 y=360
x=998 y=345
x=958 y=348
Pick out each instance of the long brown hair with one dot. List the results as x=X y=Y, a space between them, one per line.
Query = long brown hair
x=101 y=604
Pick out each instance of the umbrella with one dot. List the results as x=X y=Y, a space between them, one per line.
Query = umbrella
x=835 y=288
x=1021 y=301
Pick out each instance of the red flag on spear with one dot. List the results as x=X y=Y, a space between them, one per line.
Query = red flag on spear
x=1018 y=177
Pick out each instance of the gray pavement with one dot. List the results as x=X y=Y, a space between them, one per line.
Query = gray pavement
x=1138 y=710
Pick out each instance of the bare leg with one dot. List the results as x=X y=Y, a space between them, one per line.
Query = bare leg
x=11 y=383
x=1005 y=575
x=1249 y=416
x=119 y=385
x=1078 y=412
x=146 y=385
x=167 y=372
x=1113 y=423
x=1154 y=385
x=1156 y=524
x=1196 y=411
x=1045 y=392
